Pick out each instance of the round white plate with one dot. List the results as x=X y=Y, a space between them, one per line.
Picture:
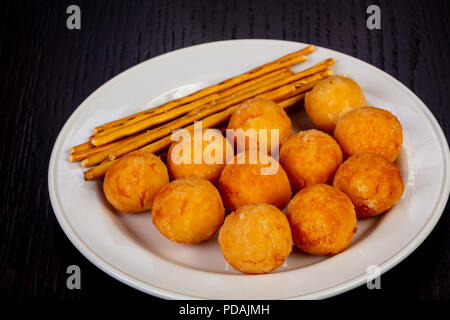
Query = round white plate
x=130 y=249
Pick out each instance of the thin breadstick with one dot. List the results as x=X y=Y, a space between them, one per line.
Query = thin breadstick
x=211 y=99
x=244 y=91
x=98 y=171
x=146 y=123
x=151 y=135
x=81 y=147
x=305 y=51
x=288 y=60
x=296 y=87
x=100 y=156
x=249 y=83
x=286 y=104
x=81 y=155
x=175 y=112
x=158 y=145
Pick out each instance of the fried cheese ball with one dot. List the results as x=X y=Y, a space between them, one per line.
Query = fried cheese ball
x=213 y=153
x=188 y=210
x=251 y=181
x=256 y=114
x=370 y=129
x=373 y=184
x=310 y=157
x=330 y=99
x=322 y=220
x=132 y=182
x=256 y=238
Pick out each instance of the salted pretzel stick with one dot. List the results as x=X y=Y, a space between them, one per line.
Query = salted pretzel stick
x=144 y=124
x=136 y=127
x=81 y=155
x=177 y=111
x=98 y=171
x=286 y=104
x=244 y=91
x=81 y=147
x=288 y=60
x=98 y=157
x=252 y=82
x=295 y=87
x=212 y=99
x=101 y=155
x=305 y=51
x=166 y=129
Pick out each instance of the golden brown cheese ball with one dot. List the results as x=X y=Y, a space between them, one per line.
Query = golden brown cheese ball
x=373 y=184
x=132 y=182
x=250 y=181
x=330 y=99
x=256 y=114
x=310 y=157
x=370 y=129
x=322 y=220
x=256 y=239
x=213 y=152
x=188 y=210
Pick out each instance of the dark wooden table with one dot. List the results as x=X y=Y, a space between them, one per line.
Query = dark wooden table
x=47 y=71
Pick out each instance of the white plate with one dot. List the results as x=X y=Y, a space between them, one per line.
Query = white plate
x=130 y=249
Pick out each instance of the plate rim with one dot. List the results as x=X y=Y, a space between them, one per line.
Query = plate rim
x=129 y=280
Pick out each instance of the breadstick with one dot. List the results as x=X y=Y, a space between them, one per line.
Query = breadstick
x=175 y=112
x=81 y=155
x=146 y=123
x=295 y=87
x=245 y=90
x=286 y=104
x=81 y=147
x=211 y=99
x=169 y=115
x=249 y=83
x=101 y=155
x=288 y=60
x=305 y=51
x=98 y=171
x=151 y=135
x=120 y=149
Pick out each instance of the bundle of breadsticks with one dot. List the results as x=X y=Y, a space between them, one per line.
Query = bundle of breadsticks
x=150 y=130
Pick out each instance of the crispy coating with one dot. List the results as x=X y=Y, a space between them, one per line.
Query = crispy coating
x=212 y=155
x=256 y=114
x=132 y=182
x=322 y=220
x=256 y=239
x=243 y=182
x=188 y=210
x=373 y=184
x=310 y=157
x=330 y=99
x=370 y=129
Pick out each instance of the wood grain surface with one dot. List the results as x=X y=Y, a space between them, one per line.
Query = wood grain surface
x=47 y=71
